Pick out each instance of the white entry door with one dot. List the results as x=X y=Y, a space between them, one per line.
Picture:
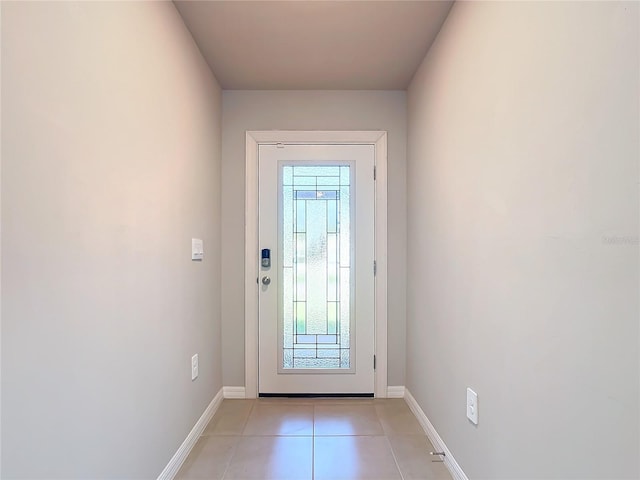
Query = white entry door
x=316 y=235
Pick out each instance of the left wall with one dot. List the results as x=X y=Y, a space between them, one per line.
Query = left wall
x=110 y=165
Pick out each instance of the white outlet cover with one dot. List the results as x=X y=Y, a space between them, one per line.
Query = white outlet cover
x=197 y=249
x=472 y=406
x=194 y=367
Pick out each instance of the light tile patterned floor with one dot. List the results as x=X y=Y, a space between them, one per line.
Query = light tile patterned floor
x=323 y=439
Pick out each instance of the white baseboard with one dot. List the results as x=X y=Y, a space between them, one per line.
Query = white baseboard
x=456 y=471
x=181 y=455
x=395 y=392
x=234 y=392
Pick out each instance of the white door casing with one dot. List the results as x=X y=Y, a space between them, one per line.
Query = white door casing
x=252 y=248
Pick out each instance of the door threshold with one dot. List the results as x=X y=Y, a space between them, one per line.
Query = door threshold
x=316 y=395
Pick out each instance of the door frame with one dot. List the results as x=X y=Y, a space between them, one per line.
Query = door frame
x=377 y=138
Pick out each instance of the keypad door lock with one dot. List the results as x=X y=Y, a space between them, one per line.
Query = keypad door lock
x=266 y=258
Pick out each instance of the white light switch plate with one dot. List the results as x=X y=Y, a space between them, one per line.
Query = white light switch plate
x=472 y=406
x=197 y=249
x=194 y=367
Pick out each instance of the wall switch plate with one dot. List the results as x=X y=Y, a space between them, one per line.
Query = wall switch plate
x=194 y=367
x=197 y=249
x=472 y=406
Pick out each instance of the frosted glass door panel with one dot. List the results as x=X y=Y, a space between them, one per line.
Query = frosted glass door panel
x=315 y=208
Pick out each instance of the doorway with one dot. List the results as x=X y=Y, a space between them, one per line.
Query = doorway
x=315 y=272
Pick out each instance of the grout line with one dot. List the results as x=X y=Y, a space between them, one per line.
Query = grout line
x=246 y=420
x=231 y=457
x=239 y=439
x=276 y=435
x=386 y=437
x=395 y=459
x=313 y=443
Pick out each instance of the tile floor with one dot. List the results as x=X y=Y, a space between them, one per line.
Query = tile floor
x=323 y=439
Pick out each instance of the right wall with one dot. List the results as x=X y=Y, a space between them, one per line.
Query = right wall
x=523 y=256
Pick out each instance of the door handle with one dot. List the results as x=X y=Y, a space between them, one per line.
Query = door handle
x=266 y=280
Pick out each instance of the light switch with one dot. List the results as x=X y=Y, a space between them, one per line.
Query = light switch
x=197 y=249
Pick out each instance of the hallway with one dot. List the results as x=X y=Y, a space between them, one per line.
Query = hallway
x=508 y=187
x=304 y=438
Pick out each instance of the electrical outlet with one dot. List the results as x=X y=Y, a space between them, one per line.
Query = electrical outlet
x=472 y=406
x=194 y=367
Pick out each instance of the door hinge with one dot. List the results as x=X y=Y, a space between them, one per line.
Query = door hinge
x=374 y=362
x=374 y=173
x=375 y=268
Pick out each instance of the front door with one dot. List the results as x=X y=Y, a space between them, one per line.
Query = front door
x=316 y=235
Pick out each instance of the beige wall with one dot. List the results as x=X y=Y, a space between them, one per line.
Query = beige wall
x=523 y=238
x=308 y=110
x=110 y=164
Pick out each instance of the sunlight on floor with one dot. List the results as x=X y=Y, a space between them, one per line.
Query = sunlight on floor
x=323 y=439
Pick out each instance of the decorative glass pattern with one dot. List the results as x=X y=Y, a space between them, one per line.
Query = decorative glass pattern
x=316 y=266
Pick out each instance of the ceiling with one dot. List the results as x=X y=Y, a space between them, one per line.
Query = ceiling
x=314 y=44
